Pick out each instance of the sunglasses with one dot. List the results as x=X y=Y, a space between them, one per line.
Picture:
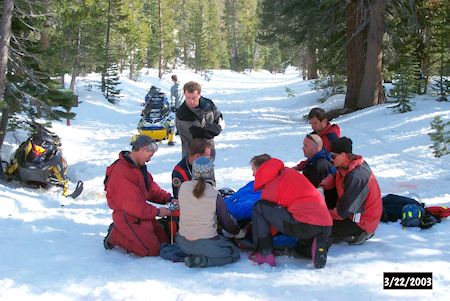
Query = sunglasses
x=312 y=139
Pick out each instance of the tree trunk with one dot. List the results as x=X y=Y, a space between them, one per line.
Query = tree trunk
x=160 y=65
x=311 y=62
x=76 y=63
x=105 y=67
x=369 y=90
x=3 y=125
x=131 y=76
x=355 y=51
x=5 y=36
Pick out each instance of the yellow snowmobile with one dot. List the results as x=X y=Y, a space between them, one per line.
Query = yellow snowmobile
x=158 y=118
x=39 y=161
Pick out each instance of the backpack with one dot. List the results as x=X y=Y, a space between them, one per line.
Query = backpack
x=393 y=205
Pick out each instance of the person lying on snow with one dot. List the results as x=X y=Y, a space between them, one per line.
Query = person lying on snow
x=359 y=206
x=291 y=204
x=129 y=188
x=201 y=207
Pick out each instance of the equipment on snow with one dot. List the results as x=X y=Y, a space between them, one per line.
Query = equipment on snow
x=39 y=161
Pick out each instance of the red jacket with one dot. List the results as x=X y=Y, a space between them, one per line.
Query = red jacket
x=329 y=134
x=290 y=189
x=126 y=190
x=358 y=191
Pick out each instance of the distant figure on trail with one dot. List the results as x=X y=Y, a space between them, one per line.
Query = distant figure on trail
x=129 y=187
x=321 y=126
x=175 y=96
x=201 y=208
x=291 y=204
x=197 y=117
x=359 y=206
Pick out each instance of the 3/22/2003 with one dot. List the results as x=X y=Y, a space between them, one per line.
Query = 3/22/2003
x=408 y=280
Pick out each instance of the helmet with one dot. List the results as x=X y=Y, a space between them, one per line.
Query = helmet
x=412 y=215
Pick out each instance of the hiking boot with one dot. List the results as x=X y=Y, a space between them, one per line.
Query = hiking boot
x=171 y=143
x=260 y=259
x=319 y=252
x=106 y=243
x=337 y=239
x=196 y=261
x=360 y=239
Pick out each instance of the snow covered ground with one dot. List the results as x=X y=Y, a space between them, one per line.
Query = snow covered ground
x=51 y=247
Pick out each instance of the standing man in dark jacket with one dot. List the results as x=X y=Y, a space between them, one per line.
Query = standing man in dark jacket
x=129 y=187
x=359 y=206
x=321 y=126
x=197 y=117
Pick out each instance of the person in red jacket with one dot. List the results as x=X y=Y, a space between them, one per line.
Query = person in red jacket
x=359 y=205
x=321 y=126
x=129 y=188
x=290 y=203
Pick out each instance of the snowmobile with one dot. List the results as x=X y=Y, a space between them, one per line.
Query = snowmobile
x=39 y=161
x=158 y=117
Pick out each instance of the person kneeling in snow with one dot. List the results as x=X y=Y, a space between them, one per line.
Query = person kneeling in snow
x=359 y=206
x=201 y=206
x=291 y=204
x=128 y=187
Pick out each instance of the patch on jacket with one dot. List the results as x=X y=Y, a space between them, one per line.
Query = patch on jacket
x=176 y=182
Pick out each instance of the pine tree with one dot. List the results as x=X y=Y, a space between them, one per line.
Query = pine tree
x=440 y=42
x=111 y=82
x=405 y=81
x=31 y=90
x=440 y=137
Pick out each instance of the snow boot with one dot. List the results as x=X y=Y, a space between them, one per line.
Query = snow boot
x=360 y=239
x=106 y=243
x=196 y=261
x=260 y=259
x=319 y=252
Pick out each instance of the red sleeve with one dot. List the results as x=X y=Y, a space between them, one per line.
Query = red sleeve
x=157 y=194
x=123 y=194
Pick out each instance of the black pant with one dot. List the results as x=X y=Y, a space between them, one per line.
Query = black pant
x=267 y=213
x=345 y=227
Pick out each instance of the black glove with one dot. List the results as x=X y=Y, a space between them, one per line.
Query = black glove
x=199 y=132
x=213 y=129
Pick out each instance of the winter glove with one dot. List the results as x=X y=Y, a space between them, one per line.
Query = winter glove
x=301 y=165
x=199 y=132
x=213 y=129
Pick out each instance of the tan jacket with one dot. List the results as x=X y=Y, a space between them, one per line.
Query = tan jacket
x=197 y=216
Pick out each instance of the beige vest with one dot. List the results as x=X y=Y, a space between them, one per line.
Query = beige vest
x=197 y=216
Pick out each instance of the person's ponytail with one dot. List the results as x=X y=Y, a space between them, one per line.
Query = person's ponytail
x=199 y=188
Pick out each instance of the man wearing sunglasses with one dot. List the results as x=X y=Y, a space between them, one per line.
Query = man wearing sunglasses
x=318 y=164
x=359 y=206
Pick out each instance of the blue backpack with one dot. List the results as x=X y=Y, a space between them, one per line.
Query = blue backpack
x=412 y=215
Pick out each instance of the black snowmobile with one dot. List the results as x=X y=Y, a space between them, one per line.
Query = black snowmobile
x=39 y=161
